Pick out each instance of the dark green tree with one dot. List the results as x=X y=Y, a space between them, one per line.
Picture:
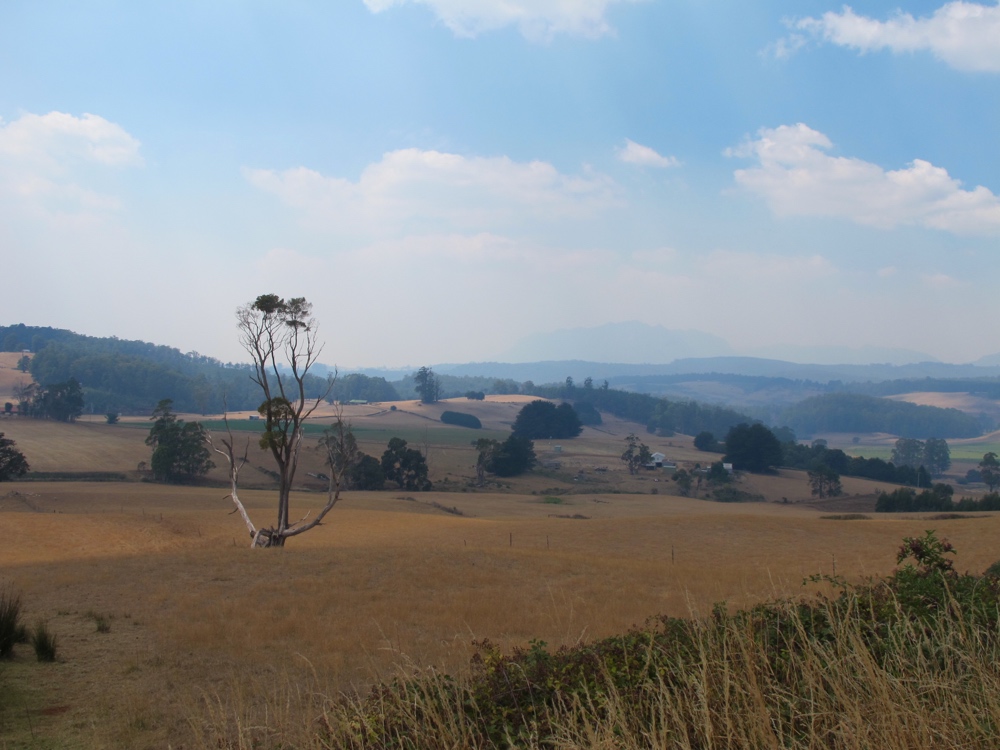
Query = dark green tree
x=705 y=441
x=428 y=387
x=12 y=462
x=60 y=401
x=24 y=363
x=752 y=447
x=636 y=454
x=179 y=448
x=989 y=470
x=587 y=413
x=540 y=420
x=367 y=473
x=407 y=467
x=937 y=456
x=717 y=473
x=355 y=469
x=824 y=482
x=513 y=456
x=908 y=452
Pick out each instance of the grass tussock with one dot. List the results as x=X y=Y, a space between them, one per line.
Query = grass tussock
x=12 y=630
x=44 y=642
x=908 y=661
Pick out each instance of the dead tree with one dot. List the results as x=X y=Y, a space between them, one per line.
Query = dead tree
x=280 y=337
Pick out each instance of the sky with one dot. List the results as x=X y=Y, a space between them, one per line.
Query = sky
x=441 y=178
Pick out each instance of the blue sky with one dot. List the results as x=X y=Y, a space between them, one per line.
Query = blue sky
x=444 y=177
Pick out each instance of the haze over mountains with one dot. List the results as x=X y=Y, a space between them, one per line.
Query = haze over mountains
x=634 y=342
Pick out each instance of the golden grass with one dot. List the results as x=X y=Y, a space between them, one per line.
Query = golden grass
x=387 y=582
x=11 y=379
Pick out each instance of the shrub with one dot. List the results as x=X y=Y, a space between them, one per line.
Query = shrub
x=730 y=494
x=44 y=643
x=904 y=661
x=461 y=419
x=11 y=629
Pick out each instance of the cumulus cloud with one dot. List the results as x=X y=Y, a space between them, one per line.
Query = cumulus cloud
x=964 y=35
x=47 y=161
x=431 y=191
x=797 y=177
x=57 y=137
x=644 y=156
x=536 y=19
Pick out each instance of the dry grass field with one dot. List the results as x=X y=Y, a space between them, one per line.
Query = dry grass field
x=201 y=632
x=11 y=379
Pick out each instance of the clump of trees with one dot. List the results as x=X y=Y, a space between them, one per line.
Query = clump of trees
x=356 y=469
x=752 y=447
x=427 y=385
x=705 y=441
x=405 y=466
x=360 y=387
x=461 y=419
x=824 y=482
x=852 y=412
x=62 y=402
x=989 y=470
x=636 y=455
x=13 y=464
x=541 y=420
x=180 y=450
x=933 y=454
x=507 y=458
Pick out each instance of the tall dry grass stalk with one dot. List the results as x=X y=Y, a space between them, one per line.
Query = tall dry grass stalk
x=734 y=684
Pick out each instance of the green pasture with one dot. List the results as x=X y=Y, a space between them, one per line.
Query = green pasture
x=962 y=452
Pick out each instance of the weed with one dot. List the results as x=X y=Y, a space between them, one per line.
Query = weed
x=101 y=621
x=12 y=631
x=44 y=642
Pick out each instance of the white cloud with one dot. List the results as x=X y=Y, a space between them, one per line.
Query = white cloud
x=431 y=191
x=797 y=177
x=941 y=281
x=644 y=156
x=54 y=138
x=536 y=19
x=47 y=161
x=964 y=35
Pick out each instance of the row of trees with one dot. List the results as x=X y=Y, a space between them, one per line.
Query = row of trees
x=13 y=464
x=62 y=402
x=853 y=413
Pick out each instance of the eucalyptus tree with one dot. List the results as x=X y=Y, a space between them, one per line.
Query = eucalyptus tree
x=281 y=337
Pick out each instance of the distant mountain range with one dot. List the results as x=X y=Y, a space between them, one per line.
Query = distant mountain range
x=639 y=343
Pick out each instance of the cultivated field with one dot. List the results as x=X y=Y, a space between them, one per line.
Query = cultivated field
x=203 y=633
